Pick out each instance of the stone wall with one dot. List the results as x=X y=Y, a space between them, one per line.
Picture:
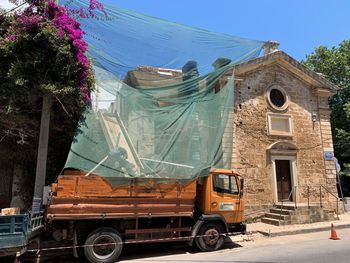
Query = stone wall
x=17 y=185
x=252 y=157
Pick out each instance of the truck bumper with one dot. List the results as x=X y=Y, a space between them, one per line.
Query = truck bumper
x=237 y=229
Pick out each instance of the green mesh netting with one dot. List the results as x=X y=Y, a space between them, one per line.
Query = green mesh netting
x=173 y=131
x=155 y=115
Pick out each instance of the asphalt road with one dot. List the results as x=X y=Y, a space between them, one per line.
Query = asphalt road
x=311 y=248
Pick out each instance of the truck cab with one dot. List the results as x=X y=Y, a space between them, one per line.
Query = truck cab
x=221 y=193
x=220 y=205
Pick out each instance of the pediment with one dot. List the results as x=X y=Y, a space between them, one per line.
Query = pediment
x=320 y=85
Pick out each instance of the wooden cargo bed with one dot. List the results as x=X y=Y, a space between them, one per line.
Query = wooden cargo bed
x=93 y=197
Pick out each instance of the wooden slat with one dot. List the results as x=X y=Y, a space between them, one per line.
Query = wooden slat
x=159 y=240
x=85 y=216
x=158 y=230
x=96 y=186
x=106 y=200
x=77 y=197
x=121 y=209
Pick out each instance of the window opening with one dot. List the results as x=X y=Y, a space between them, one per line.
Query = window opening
x=277 y=98
x=224 y=183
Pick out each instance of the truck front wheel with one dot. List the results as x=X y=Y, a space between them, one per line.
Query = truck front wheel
x=210 y=237
x=103 y=245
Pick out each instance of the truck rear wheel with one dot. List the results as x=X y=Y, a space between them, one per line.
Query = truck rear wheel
x=104 y=245
x=210 y=237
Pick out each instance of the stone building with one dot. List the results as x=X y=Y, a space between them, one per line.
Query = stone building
x=281 y=137
x=279 y=134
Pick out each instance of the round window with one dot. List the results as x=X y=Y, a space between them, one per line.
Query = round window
x=277 y=98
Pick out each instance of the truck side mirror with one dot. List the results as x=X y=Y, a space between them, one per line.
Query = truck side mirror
x=241 y=180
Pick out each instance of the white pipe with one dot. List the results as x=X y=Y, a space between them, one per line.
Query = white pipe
x=175 y=164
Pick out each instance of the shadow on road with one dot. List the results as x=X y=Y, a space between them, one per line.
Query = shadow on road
x=130 y=252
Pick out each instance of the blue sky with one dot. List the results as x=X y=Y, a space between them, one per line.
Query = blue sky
x=299 y=25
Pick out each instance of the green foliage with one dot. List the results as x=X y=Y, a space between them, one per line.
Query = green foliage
x=344 y=176
x=334 y=63
x=37 y=63
x=35 y=59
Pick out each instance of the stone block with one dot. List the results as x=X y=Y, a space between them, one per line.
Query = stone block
x=10 y=211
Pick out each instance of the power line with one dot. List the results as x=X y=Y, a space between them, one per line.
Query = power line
x=13 y=9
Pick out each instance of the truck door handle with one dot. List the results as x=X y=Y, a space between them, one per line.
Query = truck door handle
x=214 y=203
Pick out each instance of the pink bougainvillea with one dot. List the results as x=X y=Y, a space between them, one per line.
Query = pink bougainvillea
x=90 y=12
x=41 y=12
x=69 y=27
x=12 y=38
x=28 y=23
x=96 y=5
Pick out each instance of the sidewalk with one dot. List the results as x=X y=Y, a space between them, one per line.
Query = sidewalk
x=272 y=231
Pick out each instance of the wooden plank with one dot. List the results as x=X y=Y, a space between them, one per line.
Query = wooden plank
x=97 y=186
x=65 y=186
x=158 y=230
x=157 y=240
x=85 y=216
x=114 y=200
x=123 y=209
x=10 y=211
x=78 y=197
x=118 y=206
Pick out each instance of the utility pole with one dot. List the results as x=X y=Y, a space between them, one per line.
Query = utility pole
x=40 y=174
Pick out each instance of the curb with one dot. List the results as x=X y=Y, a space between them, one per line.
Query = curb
x=301 y=231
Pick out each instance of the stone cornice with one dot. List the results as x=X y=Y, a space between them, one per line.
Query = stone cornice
x=320 y=85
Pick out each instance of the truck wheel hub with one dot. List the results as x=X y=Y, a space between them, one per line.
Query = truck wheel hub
x=103 y=247
x=211 y=237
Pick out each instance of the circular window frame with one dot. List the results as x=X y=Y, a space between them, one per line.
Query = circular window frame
x=284 y=93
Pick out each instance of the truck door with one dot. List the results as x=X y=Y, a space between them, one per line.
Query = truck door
x=225 y=199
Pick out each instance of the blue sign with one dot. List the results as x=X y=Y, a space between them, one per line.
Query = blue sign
x=328 y=156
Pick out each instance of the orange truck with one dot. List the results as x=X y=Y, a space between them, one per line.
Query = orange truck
x=102 y=215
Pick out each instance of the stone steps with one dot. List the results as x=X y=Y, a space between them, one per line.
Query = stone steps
x=281 y=211
x=276 y=216
x=285 y=207
x=288 y=214
x=270 y=221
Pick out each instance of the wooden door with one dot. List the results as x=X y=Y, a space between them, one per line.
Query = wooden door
x=283 y=176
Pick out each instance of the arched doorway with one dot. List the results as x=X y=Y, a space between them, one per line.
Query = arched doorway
x=283 y=157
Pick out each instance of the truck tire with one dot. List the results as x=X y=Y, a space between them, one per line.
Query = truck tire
x=210 y=237
x=103 y=253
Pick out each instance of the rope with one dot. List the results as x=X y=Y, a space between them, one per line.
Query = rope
x=39 y=250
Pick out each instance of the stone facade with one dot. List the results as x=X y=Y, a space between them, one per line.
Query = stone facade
x=303 y=146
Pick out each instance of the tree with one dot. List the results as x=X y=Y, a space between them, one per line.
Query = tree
x=334 y=63
x=42 y=51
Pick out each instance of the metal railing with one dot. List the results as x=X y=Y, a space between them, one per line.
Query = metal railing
x=13 y=224
x=36 y=221
x=321 y=197
x=332 y=194
x=292 y=193
x=21 y=223
x=308 y=193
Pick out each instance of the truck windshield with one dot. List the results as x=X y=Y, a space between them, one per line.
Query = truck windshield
x=224 y=183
